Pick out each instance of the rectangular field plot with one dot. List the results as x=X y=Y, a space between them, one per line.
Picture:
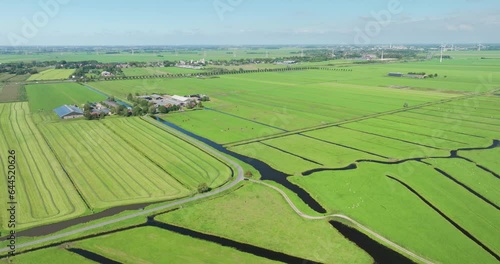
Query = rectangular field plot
x=384 y=147
x=158 y=71
x=444 y=123
x=55 y=255
x=156 y=245
x=411 y=131
x=106 y=169
x=398 y=213
x=52 y=74
x=44 y=192
x=487 y=158
x=285 y=162
x=186 y=163
x=467 y=173
x=328 y=155
x=287 y=100
x=46 y=97
x=220 y=127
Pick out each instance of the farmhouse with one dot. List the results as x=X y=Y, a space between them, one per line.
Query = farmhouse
x=69 y=112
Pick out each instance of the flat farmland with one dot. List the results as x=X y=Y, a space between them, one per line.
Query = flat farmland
x=51 y=74
x=158 y=71
x=286 y=100
x=389 y=207
x=46 y=97
x=186 y=163
x=156 y=245
x=55 y=255
x=107 y=170
x=259 y=216
x=142 y=56
x=126 y=161
x=219 y=127
x=44 y=190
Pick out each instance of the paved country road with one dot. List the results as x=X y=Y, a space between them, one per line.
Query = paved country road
x=239 y=178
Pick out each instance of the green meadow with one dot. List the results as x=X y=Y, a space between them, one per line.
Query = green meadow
x=259 y=216
x=158 y=71
x=46 y=97
x=52 y=74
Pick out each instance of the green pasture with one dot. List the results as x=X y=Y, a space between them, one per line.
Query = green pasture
x=55 y=255
x=158 y=71
x=46 y=97
x=472 y=176
x=44 y=192
x=182 y=161
x=387 y=207
x=155 y=245
x=487 y=158
x=219 y=127
x=106 y=169
x=287 y=100
x=259 y=216
x=52 y=74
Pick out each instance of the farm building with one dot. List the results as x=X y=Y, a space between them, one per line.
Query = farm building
x=395 y=74
x=69 y=112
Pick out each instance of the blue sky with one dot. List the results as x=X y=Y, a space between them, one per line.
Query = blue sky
x=238 y=22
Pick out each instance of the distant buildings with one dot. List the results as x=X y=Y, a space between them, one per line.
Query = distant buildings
x=69 y=112
x=169 y=100
x=410 y=75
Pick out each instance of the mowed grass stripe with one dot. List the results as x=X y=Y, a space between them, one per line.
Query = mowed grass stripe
x=113 y=165
x=80 y=169
x=142 y=189
x=216 y=171
x=188 y=179
x=43 y=189
x=113 y=169
x=201 y=160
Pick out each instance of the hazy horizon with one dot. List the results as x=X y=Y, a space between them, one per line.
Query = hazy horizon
x=243 y=22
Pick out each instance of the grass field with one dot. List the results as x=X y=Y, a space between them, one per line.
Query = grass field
x=46 y=97
x=286 y=100
x=126 y=161
x=257 y=215
x=155 y=245
x=370 y=197
x=53 y=255
x=158 y=71
x=51 y=74
x=45 y=193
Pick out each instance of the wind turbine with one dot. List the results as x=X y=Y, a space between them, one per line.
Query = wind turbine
x=302 y=54
x=442 y=49
x=479 y=46
x=382 y=58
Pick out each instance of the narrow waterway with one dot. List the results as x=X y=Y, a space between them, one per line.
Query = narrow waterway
x=266 y=171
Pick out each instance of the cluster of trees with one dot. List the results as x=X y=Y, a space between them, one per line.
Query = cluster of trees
x=89 y=115
x=19 y=68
